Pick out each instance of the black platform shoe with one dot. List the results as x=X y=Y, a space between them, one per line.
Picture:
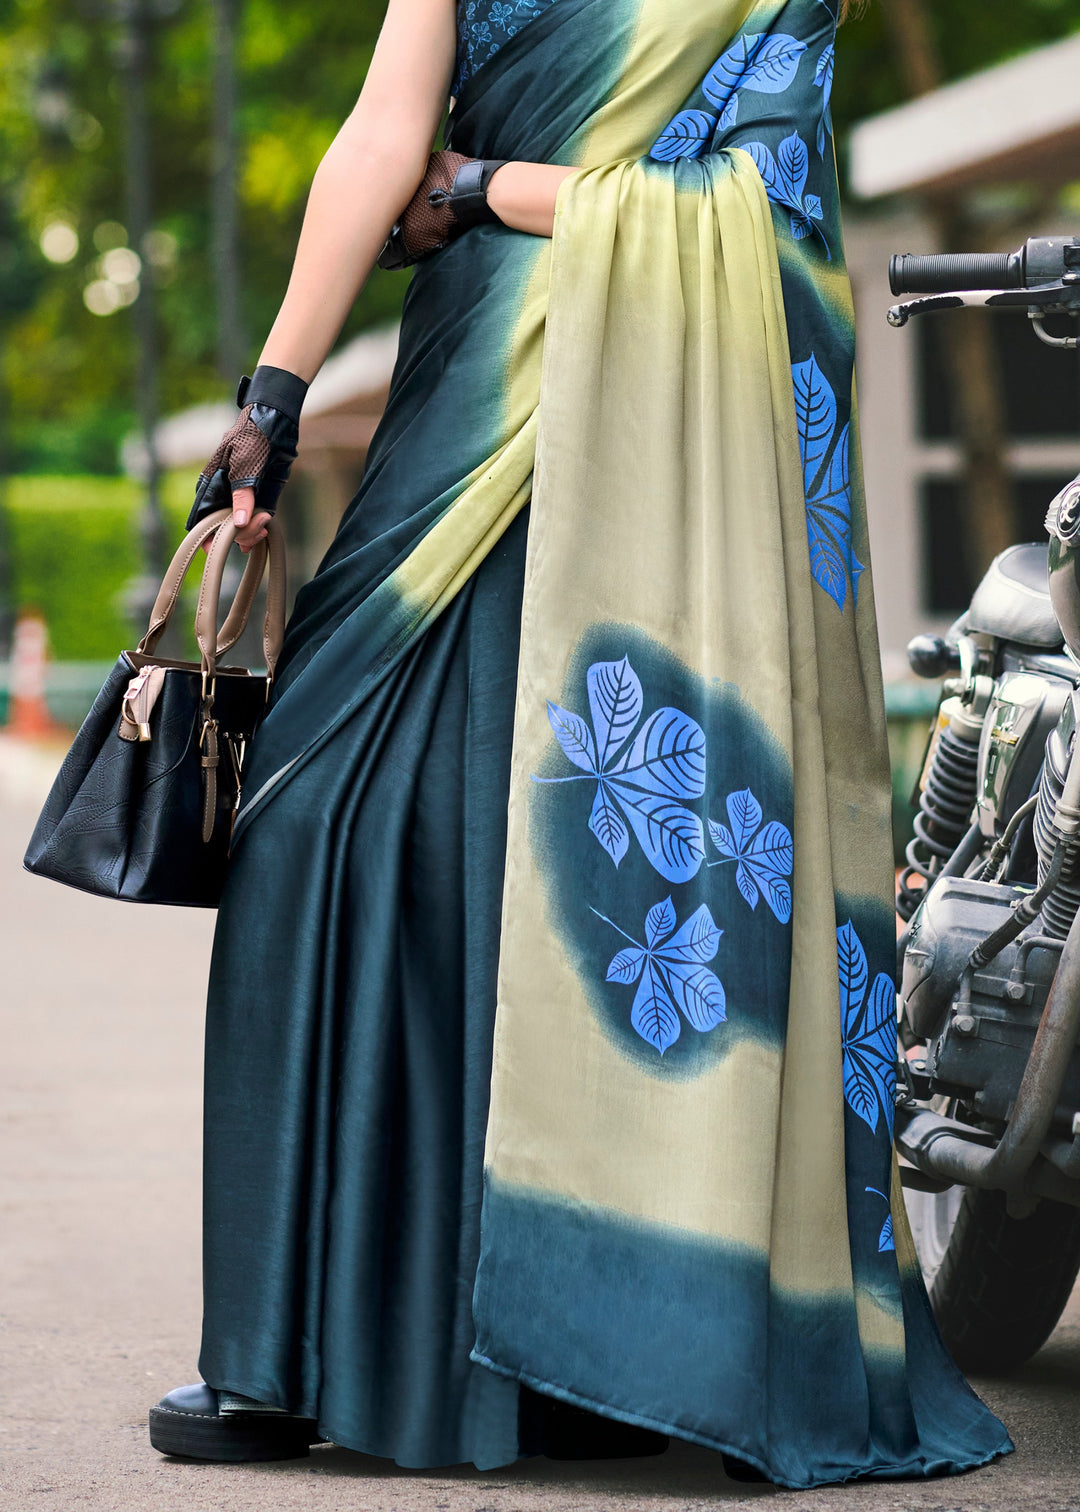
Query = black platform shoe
x=189 y=1422
x=741 y=1470
x=562 y=1432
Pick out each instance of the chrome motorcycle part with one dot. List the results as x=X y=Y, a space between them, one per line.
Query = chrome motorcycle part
x=1064 y=565
x=1022 y=712
x=1053 y=824
x=1063 y=516
x=947 y=793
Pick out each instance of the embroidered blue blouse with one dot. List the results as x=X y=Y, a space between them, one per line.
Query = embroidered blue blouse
x=483 y=26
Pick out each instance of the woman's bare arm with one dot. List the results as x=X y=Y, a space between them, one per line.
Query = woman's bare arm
x=370 y=172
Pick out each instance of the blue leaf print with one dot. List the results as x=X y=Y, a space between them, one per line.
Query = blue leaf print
x=764 y=858
x=766 y=166
x=607 y=825
x=784 y=178
x=792 y=167
x=659 y=922
x=574 y=736
x=823 y=79
x=745 y=814
x=654 y=1015
x=868 y=1034
x=695 y=941
x=827 y=567
x=772 y=850
x=685 y=137
x=729 y=116
x=667 y=756
x=746 y=884
x=669 y=834
x=626 y=966
x=815 y=407
x=674 y=975
x=644 y=785
x=616 y=702
x=886 y=1239
x=826 y=459
x=767 y=65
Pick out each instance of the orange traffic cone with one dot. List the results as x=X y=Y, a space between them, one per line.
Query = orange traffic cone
x=28 y=713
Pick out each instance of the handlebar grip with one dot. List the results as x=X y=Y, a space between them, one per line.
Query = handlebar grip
x=950 y=272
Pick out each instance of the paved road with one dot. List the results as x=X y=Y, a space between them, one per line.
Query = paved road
x=99 y=1260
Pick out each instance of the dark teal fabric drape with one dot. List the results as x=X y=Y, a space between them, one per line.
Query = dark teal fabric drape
x=348 y=1059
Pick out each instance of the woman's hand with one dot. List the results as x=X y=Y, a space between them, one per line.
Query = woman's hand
x=250 y=523
x=251 y=464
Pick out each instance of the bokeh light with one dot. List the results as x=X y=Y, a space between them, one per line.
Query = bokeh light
x=59 y=242
x=121 y=265
x=102 y=297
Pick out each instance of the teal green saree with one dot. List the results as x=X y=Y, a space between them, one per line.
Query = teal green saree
x=566 y=1056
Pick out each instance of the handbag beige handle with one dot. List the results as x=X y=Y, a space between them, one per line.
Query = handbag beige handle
x=212 y=642
x=219 y=524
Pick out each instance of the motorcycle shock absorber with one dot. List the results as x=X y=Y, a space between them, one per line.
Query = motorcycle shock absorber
x=1061 y=907
x=946 y=796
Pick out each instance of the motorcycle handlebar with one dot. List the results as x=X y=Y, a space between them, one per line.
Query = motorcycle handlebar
x=949 y=272
x=1041 y=260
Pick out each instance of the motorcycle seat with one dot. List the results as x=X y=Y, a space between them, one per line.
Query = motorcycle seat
x=1013 y=600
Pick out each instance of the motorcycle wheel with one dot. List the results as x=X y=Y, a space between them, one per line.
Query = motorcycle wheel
x=998 y=1285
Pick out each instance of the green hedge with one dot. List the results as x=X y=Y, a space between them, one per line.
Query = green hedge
x=74 y=549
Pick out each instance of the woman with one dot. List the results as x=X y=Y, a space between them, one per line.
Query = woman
x=685 y=1220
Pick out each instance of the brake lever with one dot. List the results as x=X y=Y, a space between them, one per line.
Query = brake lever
x=1061 y=298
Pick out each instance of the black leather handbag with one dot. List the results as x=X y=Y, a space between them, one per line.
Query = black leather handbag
x=142 y=807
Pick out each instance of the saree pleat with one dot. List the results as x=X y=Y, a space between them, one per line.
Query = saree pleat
x=566 y=836
x=348 y=1061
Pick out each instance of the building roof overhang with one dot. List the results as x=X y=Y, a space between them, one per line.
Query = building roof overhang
x=1019 y=120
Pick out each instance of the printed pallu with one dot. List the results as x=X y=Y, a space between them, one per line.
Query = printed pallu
x=691 y=1218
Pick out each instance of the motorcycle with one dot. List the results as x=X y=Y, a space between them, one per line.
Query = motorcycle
x=988 y=1100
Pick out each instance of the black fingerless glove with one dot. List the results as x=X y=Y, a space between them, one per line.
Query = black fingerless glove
x=451 y=198
x=258 y=451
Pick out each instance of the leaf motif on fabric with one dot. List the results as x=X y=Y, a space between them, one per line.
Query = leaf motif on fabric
x=616 y=702
x=764 y=857
x=640 y=787
x=674 y=974
x=729 y=116
x=746 y=884
x=868 y=1034
x=574 y=736
x=784 y=177
x=826 y=459
x=626 y=966
x=667 y=756
x=659 y=922
x=823 y=79
x=670 y=834
x=654 y=1015
x=764 y=64
x=886 y=1238
x=685 y=137
x=608 y=826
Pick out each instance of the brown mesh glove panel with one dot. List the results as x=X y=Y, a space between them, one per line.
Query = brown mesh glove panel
x=242 y=452
x=425 y=226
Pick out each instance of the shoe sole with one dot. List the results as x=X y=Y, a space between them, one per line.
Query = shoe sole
x=231 y=1439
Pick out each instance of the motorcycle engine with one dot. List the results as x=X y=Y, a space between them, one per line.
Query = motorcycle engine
x=980 y=1023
